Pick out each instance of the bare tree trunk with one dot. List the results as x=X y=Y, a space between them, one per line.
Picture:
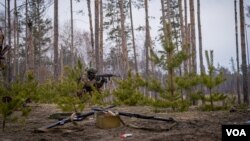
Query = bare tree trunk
x=193 y=43
x=56 y=60
x=61 y=63
x=9 y=74
x=97 y=59
x=101 y=36
x=189 y=49
x=5 y=22
x=202 y=69
x=15 y=41
x=186 y=38
x=72 y=34
x=163 y=19
x=243 y=53
x=91 y=31
x=17 y=36
x=26 y=36
x=237 y=53
x=147 y=39
x=38 y=46
x=30 y=49
x=124 y=41
x=133 y=36
x=181 y=24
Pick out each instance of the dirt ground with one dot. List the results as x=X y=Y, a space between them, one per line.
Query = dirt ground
x=191 y=126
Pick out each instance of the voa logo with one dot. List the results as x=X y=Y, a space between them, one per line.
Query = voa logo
x=236 y=132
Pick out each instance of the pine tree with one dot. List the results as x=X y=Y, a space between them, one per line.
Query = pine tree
x=170 y=60
x=127 y=91
x=91 y=30
x=56 y=57
x=202 y=70
x=237 y=52
x=243 y=53
x=39 y=26
x=15 y=97
x=72 y=34
x=101 y=37
x=97 y=45
x=133 y=38
x=211 y=80
x=193 y=36
x=125 y=65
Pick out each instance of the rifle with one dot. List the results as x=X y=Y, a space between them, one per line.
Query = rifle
x=72 y=118
x=106 y=76
x=146 y=117
x=140 y=116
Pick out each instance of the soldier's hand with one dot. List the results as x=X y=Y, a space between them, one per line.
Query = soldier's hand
x=104 y=80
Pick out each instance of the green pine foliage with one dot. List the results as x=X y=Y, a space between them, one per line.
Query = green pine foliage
x=186 y=83
x=128 y=92
x=98 y=98
x=170 y=59
x=18 y=93
x=47 y=92
x=66 y=90
x=212 y=80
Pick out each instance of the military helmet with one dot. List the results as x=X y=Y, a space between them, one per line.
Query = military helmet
x=91 y=71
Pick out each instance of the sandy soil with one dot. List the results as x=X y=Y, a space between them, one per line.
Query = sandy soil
x=192 y=125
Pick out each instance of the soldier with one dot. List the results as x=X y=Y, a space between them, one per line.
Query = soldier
x=3 y=50
x=91 y=82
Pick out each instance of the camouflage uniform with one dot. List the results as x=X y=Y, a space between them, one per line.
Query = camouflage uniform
x=91 y=82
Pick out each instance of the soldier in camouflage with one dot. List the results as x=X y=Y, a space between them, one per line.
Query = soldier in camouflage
x=91 y=82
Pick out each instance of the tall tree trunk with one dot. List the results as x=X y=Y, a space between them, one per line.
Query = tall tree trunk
x=61 y=63
x=193 y=43
x=237 y=53
x=18 y=37
x=181 y=24
x=189 y=49
x=26 y=36
x=15 y=41
x=133 y=35
x=91 y=31
x=38 y=46
x=97 y=59
x=163 y=20
x=72 y=34
x=243 y=53
x=56 y=60
x=202 y=69
x=186 y=45
x=9 y=74
x=147 y=39
x=101 y=36
x=124 y=40
x=30 y=49
x=5 y=22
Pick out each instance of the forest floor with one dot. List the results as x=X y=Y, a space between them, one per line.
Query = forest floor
x=192 y=125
